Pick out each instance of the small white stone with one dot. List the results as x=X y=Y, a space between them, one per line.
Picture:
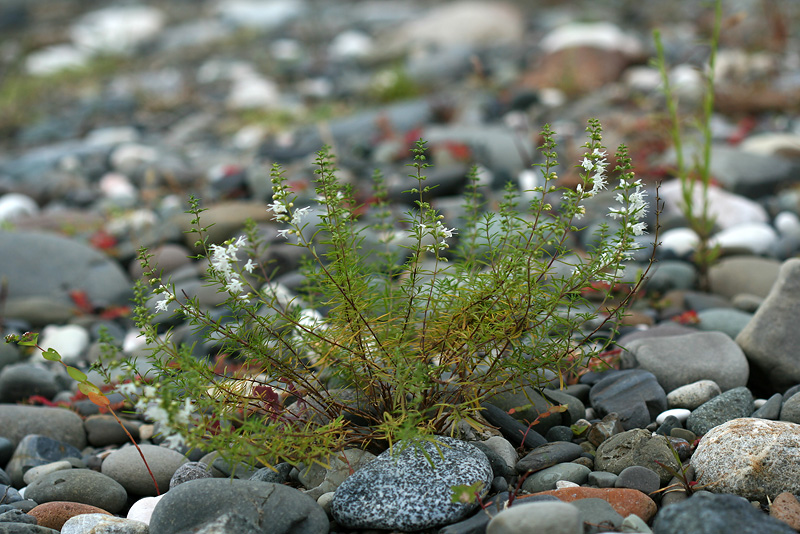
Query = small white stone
x=128 y=157
x=566 y=484
x=35 y=472
x=142 y=509
x=15 y=205
x=787 y=224
x=117 y=186
x=55 y=59
x=253 y=92
x=681 y=241
x=603 y=35
x=758 y=238
x=351 y=44
x=682 y=414
x=117 y=29
x=71 y=342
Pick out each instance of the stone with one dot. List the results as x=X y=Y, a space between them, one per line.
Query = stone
x=624 y=501
x=785 y=507
x=537 y=518
x=515 y=432
x=35 y=472
x=54 y=514
x=401 y=490
x=693 y=395
x=634 y=394
x=15 y=205
x=705 y=513
x=680 y=360
x=680 y=414
x=35 y=450
x=189 y=471
x=757 y=238
x=753 y=458
x=340 y=466
x=71 y=342
x=125 y=466
x=639 y=478
x=790 y=411
x=731 y=404
x=268 y=507
x=548 y=455
x=547 y=478
x=15 y=515
x=635 y=447
x=90 y=523
x=604 y=429
x=103 y=430
x=771 y=409
x=598 y=515
x=726 y=320
x=79 y=486
x=769 y=338
x=18 y=381
x=602 y=479
x=734 y=275
x=71 y=267
x=142 y=510
x=117 y=29
x=727 y=209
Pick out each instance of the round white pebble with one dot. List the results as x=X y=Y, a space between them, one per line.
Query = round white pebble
x=681 y=413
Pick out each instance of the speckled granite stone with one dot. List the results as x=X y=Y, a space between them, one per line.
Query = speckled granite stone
x=405 y=493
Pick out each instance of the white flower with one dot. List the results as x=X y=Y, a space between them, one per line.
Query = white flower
x=284 y=233
x=163 y=304
x=639 y=228
x=587 y=164
x=299 y=214
x=598 y=183
x=234 y=286
x=250 y=265
x=278 y=208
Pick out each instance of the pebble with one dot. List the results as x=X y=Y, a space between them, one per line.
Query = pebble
x=635 y=447
x=785 y=507
x=125 y=466
x=548 y=478
x=55 y=514
x=693 y=395
x=404 y=491
x=90 y=523
x=634 y=395
x=538 y=518
x=548 y=455
x=624 y=501
x=731 y=404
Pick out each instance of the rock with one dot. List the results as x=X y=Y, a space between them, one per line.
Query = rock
x=189 y=471
x=548 y=455
x=673 y=274
x=748 y=174
x=339 y=468
x=126 y=467
x=602 y=479
x=769 y=338
x=790 y=411
x=54 y=514
x=103 y=429
x=771 y=409
x=604 y=429
x=785 y=507
x=90 y=523
x=624 y=501
x=142 y=510
x=260 y=506
x=734 y=275
x=22 y=380
x=757 y=238
x=511 y=429
x=537 y=518
x=71 y=342
x=680 y=414
x=71 y=267
x=15 y=205
x=725 y=320
x=754 y=458
x=634 y=394
x=36 y=450
x=79 y=486
x=731 y=404
x=598 y=515
x=727 y=209
x=639 y=478
x=693 y=395
x=403 y=491
x=546 y=478
x=35 y=472
x=705 y=513
x=117 y=29
x=18 y=528
x=56 y=58
x=680 y=360
x=635 y=447
x=456 y=24
x=680 y=242
x=259 y=15
x=226 y=219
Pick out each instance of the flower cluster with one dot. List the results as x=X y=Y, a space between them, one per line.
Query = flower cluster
x=634 y=206
x=440 y=234
x=169 y=415
x=163 y=304
x=595 y=163
x=224 y=258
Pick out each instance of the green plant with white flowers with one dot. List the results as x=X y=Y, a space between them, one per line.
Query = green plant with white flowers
x=400 y=340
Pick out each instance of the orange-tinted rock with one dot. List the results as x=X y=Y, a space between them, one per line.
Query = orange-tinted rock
x=786 y=508
x=54 y=514
x=578 y=70
x=624 y=501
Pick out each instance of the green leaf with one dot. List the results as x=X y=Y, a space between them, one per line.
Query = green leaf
x=51 y=355
x=76 y=375
x=463 y=494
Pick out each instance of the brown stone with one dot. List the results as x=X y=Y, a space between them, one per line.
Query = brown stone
x=54 y=514
x=786 y=508
x=625 y=501
x=578 y=70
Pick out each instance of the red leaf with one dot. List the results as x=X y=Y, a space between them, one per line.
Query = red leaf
x=81 y=300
